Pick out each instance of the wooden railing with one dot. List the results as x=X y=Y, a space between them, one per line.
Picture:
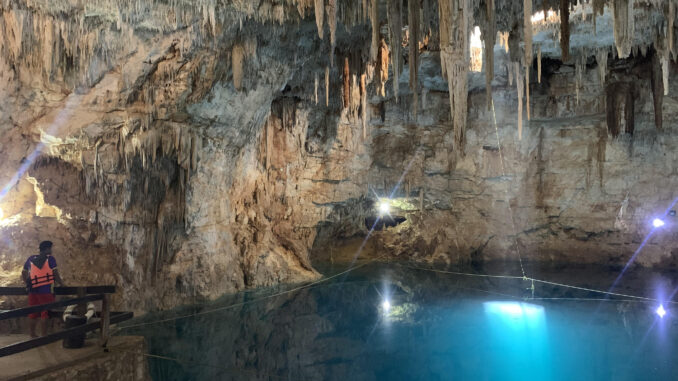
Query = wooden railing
x=85 y=294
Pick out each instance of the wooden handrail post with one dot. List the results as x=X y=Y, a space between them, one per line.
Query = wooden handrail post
x=105 y=319
x=81 y=308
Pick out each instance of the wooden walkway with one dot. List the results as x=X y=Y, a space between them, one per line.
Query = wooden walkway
x=52 y=357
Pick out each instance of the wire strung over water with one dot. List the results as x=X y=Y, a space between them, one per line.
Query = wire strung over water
x=534 y=280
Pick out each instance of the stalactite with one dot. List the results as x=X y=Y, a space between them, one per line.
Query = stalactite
x=413 y=22
x=623 y=26
x=363 y=103
x=427 y=18
x=539 y=65
x=489 y=35
x=665 y=72
x=657 y=86
x=382 y=68
x=454 y=46
x=527 y=91
x=320 y=16
x=527 y=32
x=355 y=98
x=347 y=83
x=509 y=69
x=332 y=20
x=598 y=9
x=327 y=86
x=315 y=92
x=565 y=29
x=365 y=11
x=269 y=143
x=619 y=96
x=579 y=67
x=394 y=11
x=445 y=14
x=374 y=21
x=519 y=85
x=672 y=16
x=237 y=55
x=601 y=60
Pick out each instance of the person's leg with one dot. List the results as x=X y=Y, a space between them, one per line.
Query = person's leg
x=44 y=315
x=32 y=318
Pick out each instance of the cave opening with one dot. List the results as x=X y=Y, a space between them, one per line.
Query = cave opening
x=378 y=223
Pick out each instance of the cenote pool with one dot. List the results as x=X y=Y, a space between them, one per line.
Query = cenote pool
x=391 y=322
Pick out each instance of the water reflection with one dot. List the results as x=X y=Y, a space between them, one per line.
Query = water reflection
x=435 y=327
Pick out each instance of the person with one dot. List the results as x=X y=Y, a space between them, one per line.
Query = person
x=40 y=273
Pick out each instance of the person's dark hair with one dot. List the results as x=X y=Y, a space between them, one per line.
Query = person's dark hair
x=44 y=245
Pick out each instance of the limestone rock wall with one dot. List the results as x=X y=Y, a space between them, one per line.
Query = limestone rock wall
x=566 y=192
x=150 y=169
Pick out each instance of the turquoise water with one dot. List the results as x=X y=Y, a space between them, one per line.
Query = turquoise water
x=434 y=327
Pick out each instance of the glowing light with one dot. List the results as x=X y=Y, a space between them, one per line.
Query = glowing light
x=476 y=51
x=384 y=207
x=514 y=310
x=541 y=17
x=657 y=223
x=661 y=311
x=386 y=305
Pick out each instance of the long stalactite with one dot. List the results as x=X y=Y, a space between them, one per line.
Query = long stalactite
x=670 y=33
x=579 y=68
x=347 y=83
x=332 y=21
x=623 y=26
x=539 y=65
x=657 y=86
x=520 y=89
x=527 y=31
x=527 y=59
x=413 y=22
x=565 y=29
x=374 y=22
x=454 y=52
x=327 y=86
x=527 y=91
x=394 y=12
x=489 y=34
x=319 y=9
x=598 y=9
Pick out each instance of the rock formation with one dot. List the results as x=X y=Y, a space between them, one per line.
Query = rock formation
x=182 y=152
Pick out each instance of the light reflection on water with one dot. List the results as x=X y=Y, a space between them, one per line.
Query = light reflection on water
x=435 y=328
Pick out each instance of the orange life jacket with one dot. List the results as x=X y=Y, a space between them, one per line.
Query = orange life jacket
x=41 y=276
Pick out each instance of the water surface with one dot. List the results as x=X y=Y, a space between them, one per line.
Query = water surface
x=434 y=327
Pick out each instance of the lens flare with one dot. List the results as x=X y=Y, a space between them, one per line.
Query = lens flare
x=384 y=207
x=386 y=305
x=661 y=311
x=657 y=223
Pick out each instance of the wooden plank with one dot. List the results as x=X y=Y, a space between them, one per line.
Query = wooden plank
x=19 y=312
x=4 y=291
x=40 y=341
